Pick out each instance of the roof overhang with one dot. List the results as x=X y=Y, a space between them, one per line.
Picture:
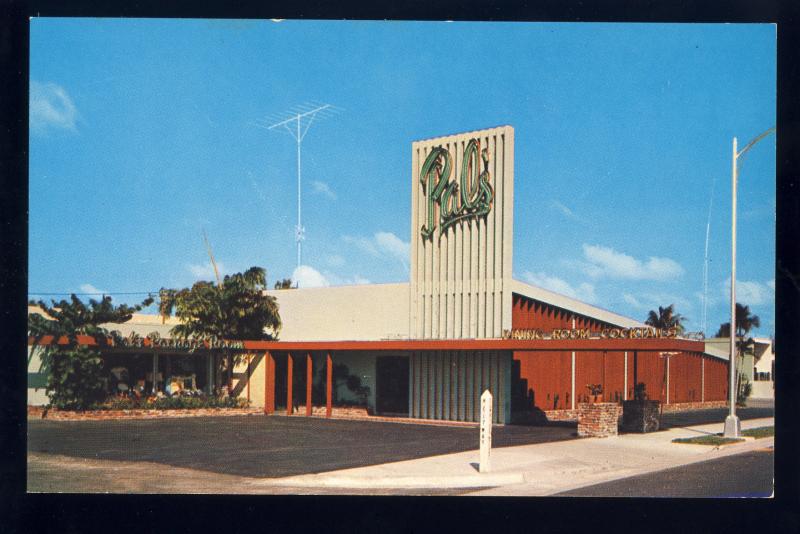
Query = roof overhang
x=408 y=345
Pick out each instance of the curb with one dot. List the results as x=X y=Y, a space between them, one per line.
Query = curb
x=447 y=481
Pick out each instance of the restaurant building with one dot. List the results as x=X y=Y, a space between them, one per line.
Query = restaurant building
x=429 y=347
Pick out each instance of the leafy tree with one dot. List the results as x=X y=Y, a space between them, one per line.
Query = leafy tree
x=665 y=318
x=237 y=309
x=285 y=283
x=74 y=372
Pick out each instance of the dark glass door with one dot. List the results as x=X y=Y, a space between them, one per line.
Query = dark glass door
x=391 y=385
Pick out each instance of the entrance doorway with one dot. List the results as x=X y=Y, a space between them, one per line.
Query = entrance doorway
x=391 y=385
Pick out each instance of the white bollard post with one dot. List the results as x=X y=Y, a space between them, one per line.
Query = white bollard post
x=486 y=432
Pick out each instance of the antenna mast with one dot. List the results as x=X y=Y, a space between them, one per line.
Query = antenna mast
x=704 y=321
x=294 y=124
x=211 y=256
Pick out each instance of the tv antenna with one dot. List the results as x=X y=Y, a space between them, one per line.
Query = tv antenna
x=297 y=124
x=705 y=258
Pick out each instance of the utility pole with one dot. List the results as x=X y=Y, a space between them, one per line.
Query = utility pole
x=294 y=124
x=732 y=424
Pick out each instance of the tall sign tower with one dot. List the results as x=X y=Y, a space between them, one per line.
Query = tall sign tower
x=462 y=205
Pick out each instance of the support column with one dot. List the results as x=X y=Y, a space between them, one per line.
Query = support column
x=155 y=372
x=328 y=386
x=572 y=372
x=572 y=393
x=702 y=378
x=210 y=373
x=289 y=371
x=668 y=359
x=249 y=361
x=635 y=371
x=625 y=386
x=309 y=379
x=269 y=383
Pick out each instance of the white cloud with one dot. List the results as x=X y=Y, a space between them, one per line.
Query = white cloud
x=323 y=188
x=335 y=260
x=355 y=280
x=633 y=301
x=651 y=301
x=607 y=262
x=51 y=106
x=89 y=288
x=307 y=276
x=750 y=293
x=364 y=243
x=382 y=245
x=206 y=271
x=390 y=243
x=584 y=291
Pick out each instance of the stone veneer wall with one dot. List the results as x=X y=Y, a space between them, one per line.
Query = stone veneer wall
x=690 y=406
x=598 y=420
x=572 y=415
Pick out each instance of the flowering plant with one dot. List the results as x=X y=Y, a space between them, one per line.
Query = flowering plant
x=595 y=389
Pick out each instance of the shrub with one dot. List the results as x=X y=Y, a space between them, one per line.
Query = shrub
x=170 y=403
x=744 y=389
x=74 y=381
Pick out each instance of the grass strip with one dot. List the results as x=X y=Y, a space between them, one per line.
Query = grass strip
x=760 y=432
x=707 y=440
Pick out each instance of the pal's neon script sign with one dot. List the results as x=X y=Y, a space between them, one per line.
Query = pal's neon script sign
x=468 y=198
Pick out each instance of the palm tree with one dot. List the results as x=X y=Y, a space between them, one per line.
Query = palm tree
x=665 y=318
x=236 y=309
x=745 y=321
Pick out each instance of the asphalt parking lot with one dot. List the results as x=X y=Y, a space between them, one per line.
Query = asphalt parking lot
x=275 y=446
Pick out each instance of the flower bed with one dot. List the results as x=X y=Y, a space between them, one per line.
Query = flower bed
x=101 y=415
x=120 y=407
x=170 y=403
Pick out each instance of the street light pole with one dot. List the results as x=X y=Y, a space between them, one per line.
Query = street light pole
x=732 y=424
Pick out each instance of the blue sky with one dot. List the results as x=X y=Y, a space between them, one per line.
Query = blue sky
x=143 y=133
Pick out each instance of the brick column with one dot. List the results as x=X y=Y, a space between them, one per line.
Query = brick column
x=598 y=420
x=309 y=379
x=289 y=371
x=329 y=386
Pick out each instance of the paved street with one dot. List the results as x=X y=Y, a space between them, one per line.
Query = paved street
x=258 y=446
x=741 y=475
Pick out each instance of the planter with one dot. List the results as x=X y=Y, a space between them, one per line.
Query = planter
x=598 y=420
x=640 y=416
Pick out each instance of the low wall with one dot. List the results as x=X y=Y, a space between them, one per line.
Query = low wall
x=763 y=389
x=561 y=415
x=572 y=415
x=692 y=406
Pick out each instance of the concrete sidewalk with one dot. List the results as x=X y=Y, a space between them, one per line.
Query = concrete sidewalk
x=533 y=470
